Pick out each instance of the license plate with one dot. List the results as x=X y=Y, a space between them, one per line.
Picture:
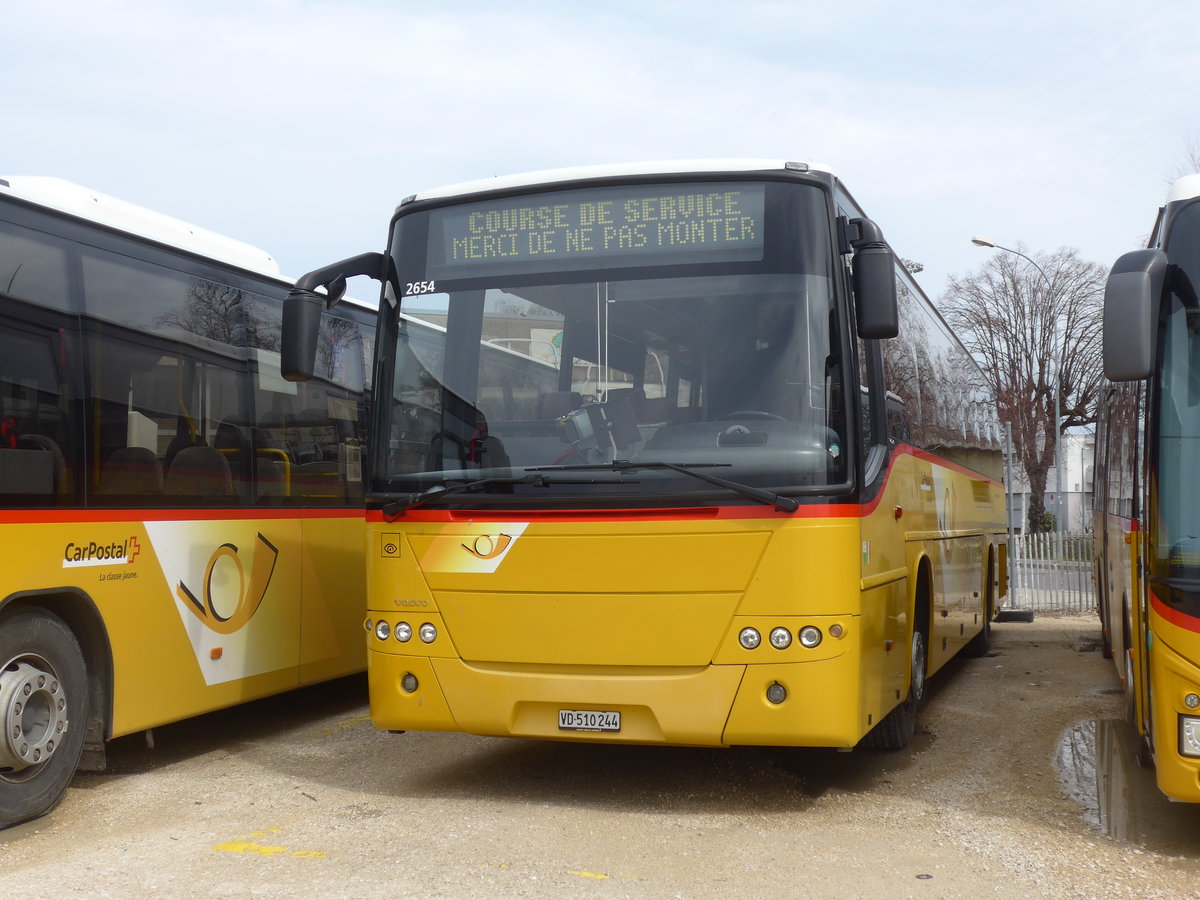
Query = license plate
x=588 y=720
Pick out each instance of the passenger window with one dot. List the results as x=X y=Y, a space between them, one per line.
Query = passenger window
x=35 y=448
x=308 y=439
x=168 y=367
x=33 y=266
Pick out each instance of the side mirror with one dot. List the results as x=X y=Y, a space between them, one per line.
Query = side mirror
x=1131 y=300
x=303 y=308
x=874 y=278
x=301 y=328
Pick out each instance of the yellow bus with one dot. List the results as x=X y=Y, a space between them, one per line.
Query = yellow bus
x=756 y=503
x=182 y=527
x=1147 y=501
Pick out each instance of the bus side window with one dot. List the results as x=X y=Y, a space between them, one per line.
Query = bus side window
x=897 y=419
x=168 y=369
x=308 y=439
x=33 y=266
x=34 y=447
x=866 y=398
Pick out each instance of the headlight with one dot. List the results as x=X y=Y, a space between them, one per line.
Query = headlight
x=403 y=632
x=382 y=629
x=781 y=638
x=749 y=638
x=428 y=633
x=810 y=636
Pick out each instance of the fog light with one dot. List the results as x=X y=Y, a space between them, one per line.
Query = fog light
x=409 y=682
x=810 y=636
x=382 y=630
x=781 y=638
x=1189 y=736
x=428 y=633
x=403 y=632
x=776 y=692
x=1191 y=701
x=749 y=638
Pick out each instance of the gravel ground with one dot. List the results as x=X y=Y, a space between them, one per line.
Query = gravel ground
x=997 y=797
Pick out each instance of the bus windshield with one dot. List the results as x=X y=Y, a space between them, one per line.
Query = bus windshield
x=1178 y=519
x=580 y=331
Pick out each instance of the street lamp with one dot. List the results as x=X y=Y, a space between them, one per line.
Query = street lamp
x=980 y=241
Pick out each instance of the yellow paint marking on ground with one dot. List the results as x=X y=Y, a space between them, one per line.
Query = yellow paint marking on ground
x=590 y=875
x=249 y=846
x=344 y=726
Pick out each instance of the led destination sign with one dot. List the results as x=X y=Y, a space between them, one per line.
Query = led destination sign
x=630 y=226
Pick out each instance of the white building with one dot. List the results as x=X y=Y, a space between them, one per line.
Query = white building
x=1072 y=502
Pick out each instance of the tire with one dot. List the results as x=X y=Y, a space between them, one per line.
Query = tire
x=896 y=729
x=1015 y=615
x=1145 y=754
x=982 y=642
x=1106 y=647
x=1130 y=698
x=43 y=712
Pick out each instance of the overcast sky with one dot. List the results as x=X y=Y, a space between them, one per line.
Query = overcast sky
x=298 y=126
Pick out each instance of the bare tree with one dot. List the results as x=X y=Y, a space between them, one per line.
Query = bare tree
x=213 y=311
x=1189 y=162
x=1031 y=334
x=224 y=314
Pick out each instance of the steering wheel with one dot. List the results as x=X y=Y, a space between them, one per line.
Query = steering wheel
x=751 y=414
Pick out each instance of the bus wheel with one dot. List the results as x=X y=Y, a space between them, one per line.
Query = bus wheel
x=1144 y=756
x=1130 y=696
x=979 y=645
x=896 y=729
x=43 y=707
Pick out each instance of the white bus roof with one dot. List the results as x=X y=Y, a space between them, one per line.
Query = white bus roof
x=84 y=203
x=1185 y=188
x=579 y=173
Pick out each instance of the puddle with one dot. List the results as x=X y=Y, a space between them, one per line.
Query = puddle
x=1098 y=768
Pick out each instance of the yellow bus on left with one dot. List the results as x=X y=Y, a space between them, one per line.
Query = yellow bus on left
x=182 y=527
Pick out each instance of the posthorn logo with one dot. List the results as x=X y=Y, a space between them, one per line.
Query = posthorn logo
x=488 y=546
x=229 y=598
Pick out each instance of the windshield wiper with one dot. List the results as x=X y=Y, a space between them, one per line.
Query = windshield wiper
x=412 y=501
x=781 y=503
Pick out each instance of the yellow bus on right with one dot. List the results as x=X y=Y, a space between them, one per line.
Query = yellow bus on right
x=1147 y=495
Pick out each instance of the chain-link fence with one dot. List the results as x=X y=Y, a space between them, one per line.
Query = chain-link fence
x=1051 y=572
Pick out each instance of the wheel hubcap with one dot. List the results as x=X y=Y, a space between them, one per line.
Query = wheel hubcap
x=33 y=715
x=918 y=666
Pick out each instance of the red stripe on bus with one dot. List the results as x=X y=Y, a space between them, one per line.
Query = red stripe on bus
x=1174 y=616
x=158 y=514
x=692 y=513
x=934 y=459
